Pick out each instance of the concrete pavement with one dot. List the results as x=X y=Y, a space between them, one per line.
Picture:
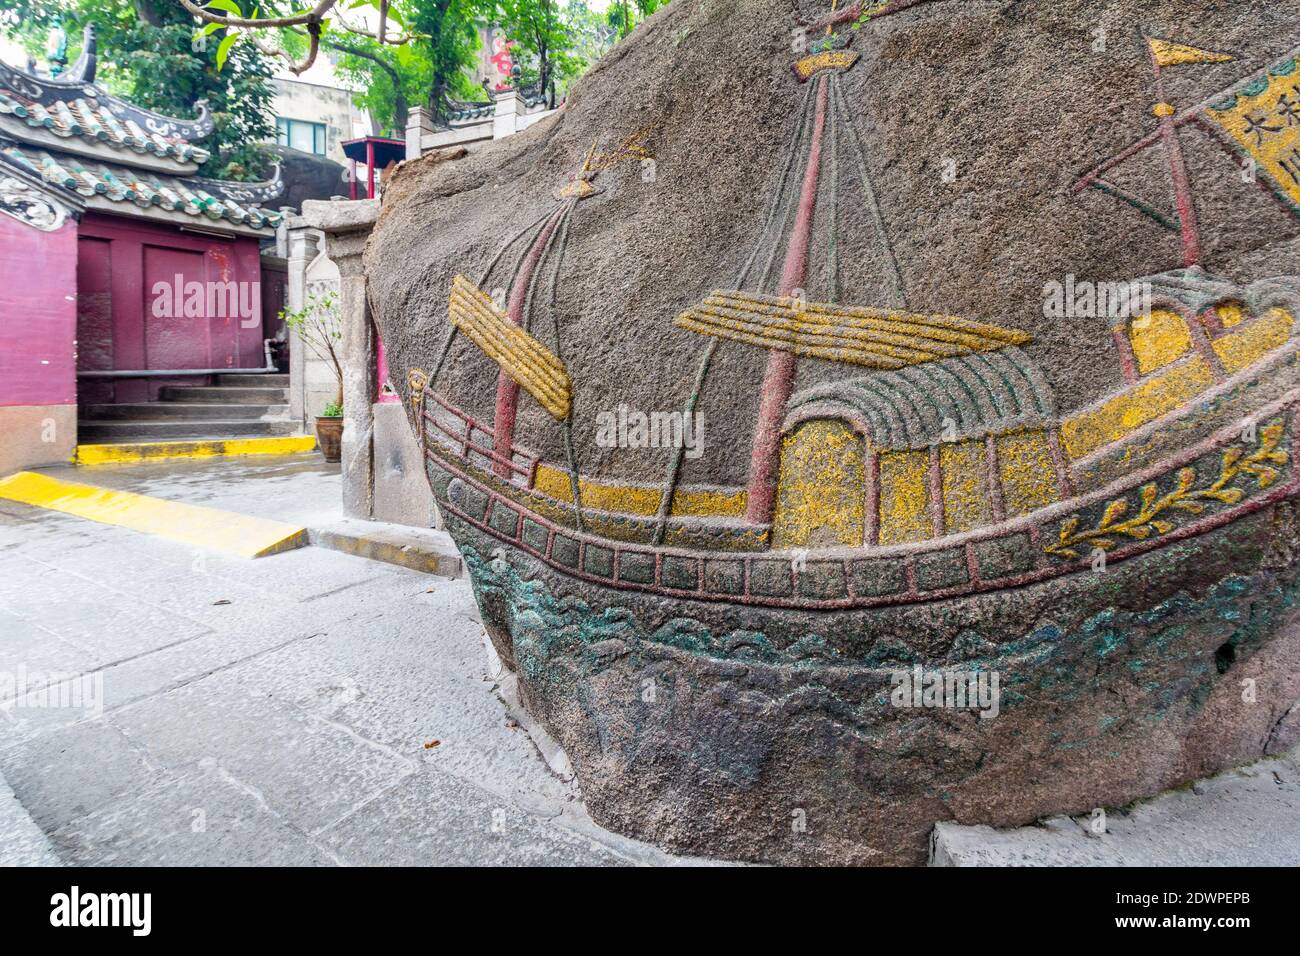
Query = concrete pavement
x=165 y=705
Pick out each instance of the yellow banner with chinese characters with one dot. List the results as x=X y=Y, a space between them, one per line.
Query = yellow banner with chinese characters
x=1263 y=118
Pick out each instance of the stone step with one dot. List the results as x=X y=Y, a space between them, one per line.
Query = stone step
x=130 y=452
x=420 y=549
x=182 y=410
x=233 y=394
x=269 y=380
x=129 y=430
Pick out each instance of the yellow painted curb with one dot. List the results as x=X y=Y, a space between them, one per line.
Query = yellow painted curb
x=210 y=448
x=235 y=534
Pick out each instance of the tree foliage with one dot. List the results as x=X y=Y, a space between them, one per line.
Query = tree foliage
x=148 y=56
x=166 y=54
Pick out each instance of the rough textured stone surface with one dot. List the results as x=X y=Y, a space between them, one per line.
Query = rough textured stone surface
x=1017 y=99
x=1248 y=817
x=757 y=728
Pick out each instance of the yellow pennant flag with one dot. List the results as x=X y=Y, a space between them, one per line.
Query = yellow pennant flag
x=1177 y=54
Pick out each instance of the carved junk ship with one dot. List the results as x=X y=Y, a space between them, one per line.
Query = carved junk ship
x=944 y=468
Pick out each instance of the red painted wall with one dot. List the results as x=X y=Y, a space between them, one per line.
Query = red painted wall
x=38 y=314
x=119 y=264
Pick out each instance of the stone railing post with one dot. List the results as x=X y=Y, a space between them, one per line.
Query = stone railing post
x=509 y=108
x=346 y=226
x=301 y=249
x=419 y=123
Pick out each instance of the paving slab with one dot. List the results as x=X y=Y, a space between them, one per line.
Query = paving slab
x=22 y=842
x=276 y=711
x=203 y=816
x=72 y=771
x=310 y=770
x=435 y=818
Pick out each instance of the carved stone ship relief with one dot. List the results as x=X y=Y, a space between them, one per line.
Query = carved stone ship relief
x=925 y=498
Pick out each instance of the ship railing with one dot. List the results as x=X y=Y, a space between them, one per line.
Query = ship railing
x=474 y=442
x=1017 y=552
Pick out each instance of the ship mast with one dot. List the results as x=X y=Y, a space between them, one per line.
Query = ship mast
x=778 y=377
x=1183 y=201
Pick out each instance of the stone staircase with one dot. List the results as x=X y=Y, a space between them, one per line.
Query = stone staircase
x=238 y=406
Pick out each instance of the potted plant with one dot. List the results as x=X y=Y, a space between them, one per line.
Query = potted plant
x=319 y=328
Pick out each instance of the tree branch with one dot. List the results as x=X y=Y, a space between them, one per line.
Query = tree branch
x=400 y=109
x=307 y=18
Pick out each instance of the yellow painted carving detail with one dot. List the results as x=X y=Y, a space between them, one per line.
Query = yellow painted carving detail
x=1168 y=53
x=416 y=381
x=1027 y=473
x=1239 y=349
x=1264 y=127
x=526 y=360
x=826 y=60
x=875 y=338
x=820 y=491
x=1231 y=314
x=1093 y=428
x=1158 y=339
x=905 y=497
x=578 y=189
x=1147 y=523
x=638 y=499
x=965 y=490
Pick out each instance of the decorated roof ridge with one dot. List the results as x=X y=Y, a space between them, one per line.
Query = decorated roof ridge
x=48 y=96
x=142 y=188
x=256 y=192
x=90 y=120
x=913 y=407
x=1198 y=289
x=461 y=112
x=464 y=111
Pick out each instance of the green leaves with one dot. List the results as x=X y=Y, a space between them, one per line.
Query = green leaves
x=226 y=6
x=223 y=48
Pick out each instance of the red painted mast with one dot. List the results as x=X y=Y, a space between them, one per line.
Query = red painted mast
x=778 y=380
x=1165 y=111
x=507 y=405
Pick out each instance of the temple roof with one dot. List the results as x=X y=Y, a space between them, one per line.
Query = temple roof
x=233 y=203
x=72 y=134
x=75 y=109
x=93 y=119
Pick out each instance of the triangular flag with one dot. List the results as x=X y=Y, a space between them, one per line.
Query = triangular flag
x=1176 y=54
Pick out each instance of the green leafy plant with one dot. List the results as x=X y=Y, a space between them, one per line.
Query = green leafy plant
x=332 y=410
x=319 y=327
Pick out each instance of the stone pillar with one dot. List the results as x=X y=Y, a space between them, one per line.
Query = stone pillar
x=419 y=123
x=300 y=242
x=509 y=109
x=346 y=226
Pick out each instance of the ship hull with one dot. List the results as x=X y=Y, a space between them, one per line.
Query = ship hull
x=805 y=707
x=777 y=733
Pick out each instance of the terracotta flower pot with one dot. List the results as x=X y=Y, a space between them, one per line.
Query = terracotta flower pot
x=329 y=436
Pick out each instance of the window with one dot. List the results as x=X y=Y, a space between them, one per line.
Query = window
x=300 y=134
x=1158 y=339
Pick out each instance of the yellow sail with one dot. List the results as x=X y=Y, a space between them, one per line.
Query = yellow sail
x=530 y=363
x=874 y=338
